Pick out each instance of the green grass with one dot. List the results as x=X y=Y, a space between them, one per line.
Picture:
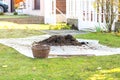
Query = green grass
x=19 y=67
x=15 y=66
x=108 y=39
x=18 y=33
x=11 y=25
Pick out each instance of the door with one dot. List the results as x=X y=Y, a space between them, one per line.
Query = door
x=50 y=12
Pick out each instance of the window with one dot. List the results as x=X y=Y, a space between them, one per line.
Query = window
x=37 y=4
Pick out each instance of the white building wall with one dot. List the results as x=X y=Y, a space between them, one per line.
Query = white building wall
x=86 y=14
x=30 y=8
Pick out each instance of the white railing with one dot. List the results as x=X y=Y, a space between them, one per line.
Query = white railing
x=85 y=11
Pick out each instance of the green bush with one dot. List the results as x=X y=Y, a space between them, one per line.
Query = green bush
x=66 y=27
x=1 y=13
x=59 y=27
x=15 y=13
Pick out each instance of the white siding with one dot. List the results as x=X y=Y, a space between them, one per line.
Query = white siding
x=30 y=8
x=85 y=12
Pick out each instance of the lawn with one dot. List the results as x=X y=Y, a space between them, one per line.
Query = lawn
x=15 y=66
x=10 y=25
x=109 y=39
x=19 y=33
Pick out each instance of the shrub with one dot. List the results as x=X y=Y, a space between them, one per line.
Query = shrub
x=66 y=27
x=15 y=13
x=1 y=13
x=74 y=27
x=59 y=27
x=100 y=29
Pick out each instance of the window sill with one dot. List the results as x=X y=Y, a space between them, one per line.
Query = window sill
x=36 y=9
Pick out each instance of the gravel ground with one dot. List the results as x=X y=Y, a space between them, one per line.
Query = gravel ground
x=23 y=45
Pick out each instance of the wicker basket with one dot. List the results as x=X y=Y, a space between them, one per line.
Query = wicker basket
x=40 y=51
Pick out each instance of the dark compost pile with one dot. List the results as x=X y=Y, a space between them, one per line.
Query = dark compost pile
x=59 y=40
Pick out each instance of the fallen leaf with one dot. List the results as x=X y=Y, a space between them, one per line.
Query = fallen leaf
x=34 y=68
x=4 y=66
x=99 y=68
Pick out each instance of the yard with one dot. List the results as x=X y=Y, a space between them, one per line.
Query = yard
x=11 y=25
x=15 y=66
x=109 y=39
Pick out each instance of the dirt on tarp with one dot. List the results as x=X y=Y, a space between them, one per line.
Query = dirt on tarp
x=59 y=40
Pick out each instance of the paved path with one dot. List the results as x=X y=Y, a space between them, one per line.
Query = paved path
x=63 y=32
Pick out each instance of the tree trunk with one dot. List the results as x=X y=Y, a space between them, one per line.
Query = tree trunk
x=110 y=28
